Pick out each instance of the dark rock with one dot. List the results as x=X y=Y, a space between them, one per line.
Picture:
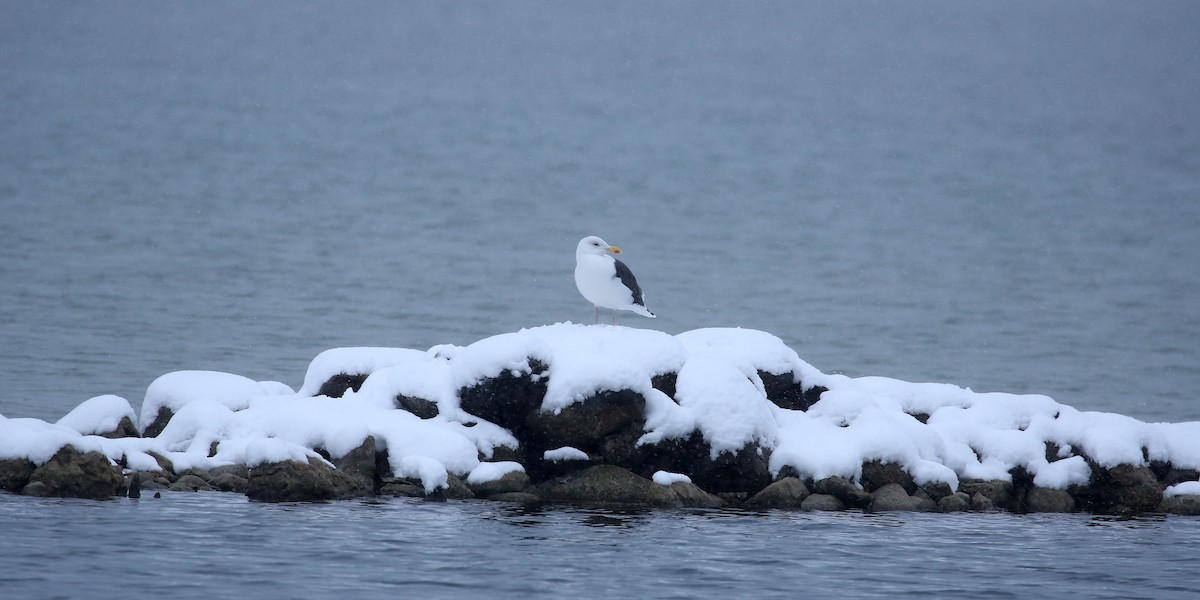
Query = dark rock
x=1180 y=505
x=164 y=463
x=607 y=484
x=15 y=473
x=509 y=398
x=1040 y=499
x=920 y=416
x=691 y=496
x=665 y=383
x=402 y=487
x=996 y=491
x=585 y=425
x=739 y=471
x=876 y=474
x=292 y=481
x=240 y=471
x=1168 y=475
x=159 y=422
x=198 y=473
x=228 y=482
x=425 y=409
x=456 y=489
x=74 y=474
x=982 y=503
x=1122 y=489
x=788 y=492
x=844 y=490
x=513 y=481
x=361 y=463
x=191 y=483
x=336 y=386
x=953 y=503
x=936 y=490
x=822 y=502
x=892 y=497
x=135 y=486
x=785 y=392
x=125 y=429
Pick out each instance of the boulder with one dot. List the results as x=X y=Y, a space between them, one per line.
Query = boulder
x=953 y=503
x=336 y=386
x=607 y=484
x=402 y=487
x=74 y=474
x=788 y=492
x=455 y=489
x=292 y=481
x=586 y=424
x=981 y=503
x=15 y=473
x=785 y=392
x=191 y=483
x=228 y=482
x=1180 y=505
x=996 y=491
x=240 y=471
x=937 y=490
x=1122 y=489
x=844 y=490
x=422 y=408
x=513 y=481
x=1040 y=499
x=360 y=462
x=691 y=496
x=509 y=398
x=892 y=497
x=877 y=474
x=822 y=502
x=159 y=422
x=124 y=429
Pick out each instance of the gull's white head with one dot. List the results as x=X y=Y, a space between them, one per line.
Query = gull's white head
x=594 y=245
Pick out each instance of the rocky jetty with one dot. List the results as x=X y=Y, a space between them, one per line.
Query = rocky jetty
x=718 y=418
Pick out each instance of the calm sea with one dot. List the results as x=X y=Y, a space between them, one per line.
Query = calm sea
x=1001 y=196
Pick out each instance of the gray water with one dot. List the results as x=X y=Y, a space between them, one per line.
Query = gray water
x=1003 y=197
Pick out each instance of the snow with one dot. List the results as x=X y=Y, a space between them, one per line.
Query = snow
x=564 y=454
x=719 y=394
x=667 y=478
x=1187 y=488
x=98 y=415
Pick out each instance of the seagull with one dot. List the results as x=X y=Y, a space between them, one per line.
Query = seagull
x=605 y=281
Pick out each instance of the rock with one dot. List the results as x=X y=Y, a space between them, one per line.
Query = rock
x=953 y=503
x=402 y=487
x=74 y=474
x=509 y=398
x=1048 y=500
x=586 y=424
x=892 y=497
x=844 y=490
x=1121 y=489
x=936 y=490
x=788 y=492
x=456 y=489
x=981 y=503
x=159 y=422
x=875 y=475
x=822 y=502
x=608 y=484
x=425 y=409
x=292 y=481
x=135 y=486
x=164 y=463
x=785 y=392
x=691 y=496
x=997 y=491
x=360 y=462
x=1180 y=505
x=124 y=429
x=228 y=482
x=513 y=481
x=336 y=386
x=15 y=473
x=191 y=483
x=239 y=471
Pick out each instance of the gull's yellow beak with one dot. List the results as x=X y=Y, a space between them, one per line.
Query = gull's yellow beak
x=613 y=250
